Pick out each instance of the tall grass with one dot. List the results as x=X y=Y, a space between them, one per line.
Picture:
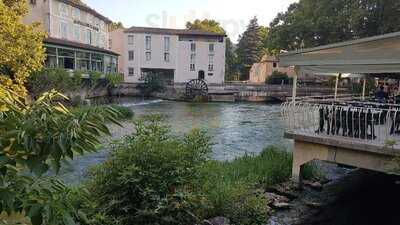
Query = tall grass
x=235 y=188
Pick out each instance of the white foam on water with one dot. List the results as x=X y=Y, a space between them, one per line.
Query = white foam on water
x=131 y=104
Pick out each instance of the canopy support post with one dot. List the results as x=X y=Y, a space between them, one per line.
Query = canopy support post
x=336 y=86
x=364 y=89
x=294 y=91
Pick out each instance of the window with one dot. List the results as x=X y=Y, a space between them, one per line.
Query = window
x=63 y=9
x=148 y=56
x=102 y=41
x=83 y=16
x=274 y=64
x=166 y=57
x=77 y=32
x=210 y=74
x=131 y=55
x=83 y=61
x=89 y=36
x=193 y=47
x=148 y=42
x=33 y=2
x=166 y=43
x=131 y=71
x=77 y=14
x=192 y=62
x=211 y=47
x=210 y=62
x=130 y=39
x=97 y=39
x=63 y=29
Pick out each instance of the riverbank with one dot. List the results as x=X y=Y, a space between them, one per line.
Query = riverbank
x=355 y=197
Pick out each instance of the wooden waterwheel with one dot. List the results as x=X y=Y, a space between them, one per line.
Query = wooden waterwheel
x=195 y=88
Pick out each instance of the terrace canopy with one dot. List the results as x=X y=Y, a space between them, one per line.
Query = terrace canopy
x=373 y=55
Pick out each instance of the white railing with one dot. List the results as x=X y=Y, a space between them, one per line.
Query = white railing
x=364 y=121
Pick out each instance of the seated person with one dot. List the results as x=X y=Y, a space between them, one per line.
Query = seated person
x=381 y=95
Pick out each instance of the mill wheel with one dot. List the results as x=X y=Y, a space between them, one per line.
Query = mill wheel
x=195 y=88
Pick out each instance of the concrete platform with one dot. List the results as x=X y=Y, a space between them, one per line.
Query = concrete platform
x=222 y=96
x=340 y=150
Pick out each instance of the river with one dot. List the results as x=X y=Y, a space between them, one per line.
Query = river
x=236 y=129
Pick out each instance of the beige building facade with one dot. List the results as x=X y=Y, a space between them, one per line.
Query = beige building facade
x=259 y=72
x=78 y=36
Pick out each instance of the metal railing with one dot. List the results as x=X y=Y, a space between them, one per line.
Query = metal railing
x=364 y=121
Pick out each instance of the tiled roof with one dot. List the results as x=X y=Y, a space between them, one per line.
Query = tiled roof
x=82 y=6
x=73 y=44
x=151 y=30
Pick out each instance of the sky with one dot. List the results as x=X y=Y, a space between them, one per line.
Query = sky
x=232 y=14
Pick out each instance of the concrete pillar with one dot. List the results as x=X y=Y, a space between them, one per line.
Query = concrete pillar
x=294 y=91
x=364 y=88
x=336 y=86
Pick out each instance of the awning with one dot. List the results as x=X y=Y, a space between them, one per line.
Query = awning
x=378 y=54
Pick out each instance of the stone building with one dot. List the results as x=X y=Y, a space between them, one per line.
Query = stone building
x=259 y=72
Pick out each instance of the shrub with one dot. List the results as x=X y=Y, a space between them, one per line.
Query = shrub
x=152 y=83
x=148 y=177
x=34 y=138
x=113 y=79
x=278 y=78
x=53 y=79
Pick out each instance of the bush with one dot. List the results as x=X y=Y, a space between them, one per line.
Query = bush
x=152 y=83
x=148 y=177
x=278 y=78
x=53 y=79
x=34 y=138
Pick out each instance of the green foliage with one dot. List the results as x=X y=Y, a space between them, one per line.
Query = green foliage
x=231 y=65
x=251 y=47
x=148 y=177
x=21 y=46
x=114 y=79
x=94 y=77
x=206 y=25
x=278 y=78
x=229 y=187
x=312 y=23
x=34 y=138
x=152 y=83
x=49 y=79
x=123 y=113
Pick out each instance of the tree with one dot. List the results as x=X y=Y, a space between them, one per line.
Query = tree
x=251 y=47
x=21 y=49
x=116 y=25
x=206 y=25
x=230 y=55
x=311 y=23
